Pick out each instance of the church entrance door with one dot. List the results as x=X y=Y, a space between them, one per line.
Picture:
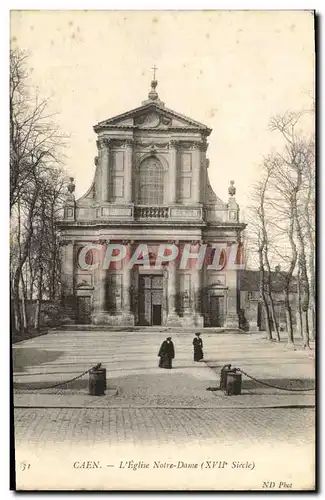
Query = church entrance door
x=150 y=299
x=216 y=312
x=83 y=310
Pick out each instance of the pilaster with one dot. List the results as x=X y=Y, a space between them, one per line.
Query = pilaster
x=129 y=143
x=172 y=178
x=67 y=279
x=100 y=286
x=172 y=318
x=232 y=319
x=128 y=316
x=103 y=145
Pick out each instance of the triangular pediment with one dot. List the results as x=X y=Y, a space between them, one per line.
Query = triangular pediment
x=151 y=116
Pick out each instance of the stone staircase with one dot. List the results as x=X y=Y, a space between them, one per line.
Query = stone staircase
x=149 y=329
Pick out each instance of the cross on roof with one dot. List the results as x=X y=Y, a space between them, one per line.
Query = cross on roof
x=154 y=68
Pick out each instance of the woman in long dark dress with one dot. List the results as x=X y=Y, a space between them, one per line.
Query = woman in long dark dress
x=166 y=353
x=198 y=347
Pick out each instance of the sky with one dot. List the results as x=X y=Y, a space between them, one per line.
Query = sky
x=231 y=70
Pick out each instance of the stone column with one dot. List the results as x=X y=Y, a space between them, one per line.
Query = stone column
x=127 y=313
x=196 y=173
x=232 y=320
x=98 y=181
x=196 y=299
x=100 y=288
x=172 y=177
x=67 y=276
x=128 y=171
x=172 y=317
x=104 y=164
x=102 y=285
x=67 y=268
x=204 y=172
x=117 y=293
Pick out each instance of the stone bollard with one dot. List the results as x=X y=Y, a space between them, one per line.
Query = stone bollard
x=97 y=381
x=233 y=383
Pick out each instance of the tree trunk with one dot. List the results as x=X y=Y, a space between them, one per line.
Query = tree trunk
x=310 y=225
x=269 y=290
x=38 y=300
x=16 y=309
x=288 y=313
x=16 y=302
x=305 y=328
x=21 y=261
x=274 y=319
x=289 y=275
x=263 y=294
x=40 y=273
x=313 y=319
x=299 y=310
x=23 y=305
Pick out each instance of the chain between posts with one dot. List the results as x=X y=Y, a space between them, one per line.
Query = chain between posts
x=95 y=367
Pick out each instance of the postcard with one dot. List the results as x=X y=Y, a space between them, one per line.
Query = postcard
x=162 y=244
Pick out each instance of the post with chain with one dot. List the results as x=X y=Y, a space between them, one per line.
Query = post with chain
x=97 y=380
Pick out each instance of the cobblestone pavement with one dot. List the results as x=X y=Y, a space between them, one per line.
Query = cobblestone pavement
x=169 y=426
x=130 y=359
x=155 y=404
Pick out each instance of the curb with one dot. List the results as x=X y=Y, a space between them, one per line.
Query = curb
x=145 y=407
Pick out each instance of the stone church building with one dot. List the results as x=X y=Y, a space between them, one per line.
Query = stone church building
x=151 y=185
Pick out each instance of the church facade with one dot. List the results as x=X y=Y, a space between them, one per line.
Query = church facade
x=151 y=188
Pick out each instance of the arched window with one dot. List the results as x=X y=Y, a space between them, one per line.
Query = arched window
x=151 y=182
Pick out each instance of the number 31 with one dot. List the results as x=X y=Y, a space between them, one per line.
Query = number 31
x=24 y=466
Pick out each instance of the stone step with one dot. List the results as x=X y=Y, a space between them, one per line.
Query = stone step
x=151 y=329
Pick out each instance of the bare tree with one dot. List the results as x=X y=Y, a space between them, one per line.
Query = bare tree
x=283 y=218
x=35 y=161
x=295 y=159
x=258 y=226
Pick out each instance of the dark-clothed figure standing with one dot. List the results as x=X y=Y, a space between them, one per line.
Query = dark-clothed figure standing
x=198 y=347
x=166 y=353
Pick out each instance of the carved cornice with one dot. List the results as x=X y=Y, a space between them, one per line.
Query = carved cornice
x=118 y=143
x=173 y=144
x=104 y=143
x=157 y=129
x=99 y=242
x=115 y=143
x=204 y=145
x=129 y=143
x=199 y=145
x=151 y=145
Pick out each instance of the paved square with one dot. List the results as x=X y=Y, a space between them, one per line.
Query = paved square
x=145 y=403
